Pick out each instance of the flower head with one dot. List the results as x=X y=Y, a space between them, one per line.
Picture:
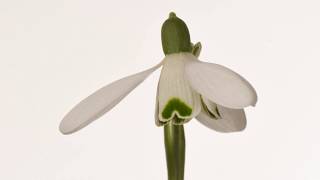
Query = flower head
x=188 y=88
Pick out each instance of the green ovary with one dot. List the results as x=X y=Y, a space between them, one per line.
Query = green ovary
x=176 y=105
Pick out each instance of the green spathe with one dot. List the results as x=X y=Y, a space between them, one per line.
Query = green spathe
x=176 y=105
x=175 y=35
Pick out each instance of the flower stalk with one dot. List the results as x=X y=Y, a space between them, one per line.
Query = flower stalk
x=174 y=140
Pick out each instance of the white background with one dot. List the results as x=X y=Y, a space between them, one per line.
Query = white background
x=55 y=53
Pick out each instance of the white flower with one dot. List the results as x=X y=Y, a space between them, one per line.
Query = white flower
x=188 y=88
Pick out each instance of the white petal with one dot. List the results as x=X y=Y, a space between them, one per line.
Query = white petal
x=220 y=84
x=230 y=120
x=101 y=101
x=176 y=97
x=156 y=112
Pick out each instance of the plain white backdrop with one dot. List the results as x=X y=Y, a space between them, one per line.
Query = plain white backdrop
x=53 y=53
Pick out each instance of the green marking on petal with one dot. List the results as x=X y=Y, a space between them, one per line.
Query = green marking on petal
x=217 y=111
x=179 y=121
x=176 y=105
x=160 y=123
x=215 y=114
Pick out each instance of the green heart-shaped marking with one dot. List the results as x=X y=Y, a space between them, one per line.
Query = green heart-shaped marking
x=176 y=105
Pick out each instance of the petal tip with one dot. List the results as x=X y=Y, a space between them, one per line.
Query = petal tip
x=254 y=103
x=67 y=127
x=65 y=132
x=63 y=129
x=233 y=130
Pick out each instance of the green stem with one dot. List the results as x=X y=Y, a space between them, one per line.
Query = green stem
x=175 y=150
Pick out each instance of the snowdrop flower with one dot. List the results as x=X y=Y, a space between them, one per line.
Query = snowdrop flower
x=188 y=88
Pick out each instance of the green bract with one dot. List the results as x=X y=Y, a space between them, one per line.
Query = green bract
x=175 y=35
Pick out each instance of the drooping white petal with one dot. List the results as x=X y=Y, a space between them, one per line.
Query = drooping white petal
x=228 y=120
x=220 y=84
x=101 y=101
x=177 y=100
